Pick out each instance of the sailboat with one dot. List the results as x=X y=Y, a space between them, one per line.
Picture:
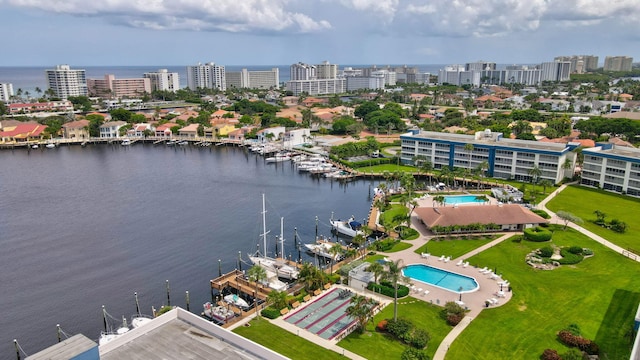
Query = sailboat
x=109 y=334
x=274 y=265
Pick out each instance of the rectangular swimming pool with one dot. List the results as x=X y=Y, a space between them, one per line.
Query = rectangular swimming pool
x=441 y=278
x=463 y=199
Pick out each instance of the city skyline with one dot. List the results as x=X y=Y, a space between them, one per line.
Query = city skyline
x=286 y=31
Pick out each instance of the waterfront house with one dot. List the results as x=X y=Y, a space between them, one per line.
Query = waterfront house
x=138 y=129
x=190 y=130
x=76 y=129
x=276 y=133
x=24 y=108
x=222 y=129
x=296 y=137
x=239 y=135
x=23 y=132
x=164 y=130
x=111 y=129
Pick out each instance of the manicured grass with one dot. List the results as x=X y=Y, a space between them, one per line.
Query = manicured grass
x=399 y=247
x=392 y=211
x=375 y=345
x=583 y=202
x=284 y=342
x=545 y=302
x=453 y=247
x=373 y=258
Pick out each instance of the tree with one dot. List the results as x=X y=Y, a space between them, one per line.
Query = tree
x=335 y=250
x=3 y=108
x=600 y=216
x=38 y=91
x=469 y=149
x=365 y=108
x=377 y=269
x=361 y=308
x=535 y=173
x=120 y=115
x=394 y=275
x=277 y=299
x=568 y=217
x=439 y=199
x=257 y=274
x=545 y=184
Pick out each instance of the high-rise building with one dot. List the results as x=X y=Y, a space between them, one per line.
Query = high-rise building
x=246 y=79
x=457 y=75
x=480 y=66
x=555 y=71
x=163 y=80
x=302 y=71
x=66 y=82
x=118 y=88
x=580 y=63
x=317 y=86
x=207 y=76
x=6 y=91
x=326 y=70
x=618 y=63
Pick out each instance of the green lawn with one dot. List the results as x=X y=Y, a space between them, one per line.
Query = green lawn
x=583 y=201
x=392 y=211
x=399 y=247
x=600 y=294
x=375 y=345
x=284 y=342
x=454 y=247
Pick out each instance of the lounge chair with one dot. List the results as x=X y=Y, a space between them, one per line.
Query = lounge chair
x=494 y=276
x=441 y=258
x=447 y=259
x=459 y=263
x=426 y=292
x=465 y=264
x=425 y=255
x=483 y=270
x=494 y=301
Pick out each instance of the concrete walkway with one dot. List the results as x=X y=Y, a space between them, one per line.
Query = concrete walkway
x=598 y=238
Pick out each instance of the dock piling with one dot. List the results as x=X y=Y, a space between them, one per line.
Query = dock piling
x=186 y=294
x=168 y=295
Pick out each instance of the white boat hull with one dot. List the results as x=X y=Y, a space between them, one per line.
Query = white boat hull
x=344 y=228
x=236 y=300
x=281 y=269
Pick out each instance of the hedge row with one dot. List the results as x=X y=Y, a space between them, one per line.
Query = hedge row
x=569 y=258
x=270 y=312
x=386 y=289
x=537 y=234
x=543 y=214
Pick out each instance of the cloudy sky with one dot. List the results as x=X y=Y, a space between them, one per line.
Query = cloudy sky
x=268 y=32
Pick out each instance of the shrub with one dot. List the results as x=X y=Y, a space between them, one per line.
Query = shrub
x=400 y=328
x=574 y=329
x=454 y=319
x=550 y=354
x=537 y=234
x=569 y=258
x=419 y=339
x=270 y=312
x=543 y=214
x=572 y=354
x=587 y=252
x=546 y=252
x=386 y=288
x=575 y=250
x=382 y=326
x=413 y=354
x=385 y=245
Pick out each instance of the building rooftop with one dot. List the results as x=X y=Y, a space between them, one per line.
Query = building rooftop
x=179 y=334
x=66 y=349
x=623 y=151
x=506 y=214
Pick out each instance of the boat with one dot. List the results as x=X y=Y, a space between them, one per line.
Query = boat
x=183 y=143
x=50 y=146
x=125 y=142
x=171 y=142
x=139 y=320
x=275 y=265
x=322 y=248
x=109 y=334
x=349 y=227
x=217 y=313
x=34 y=146
x=278 y=157
x=236 y=300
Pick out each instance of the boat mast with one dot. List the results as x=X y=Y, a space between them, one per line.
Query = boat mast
x=264 y=227
x=282 y=237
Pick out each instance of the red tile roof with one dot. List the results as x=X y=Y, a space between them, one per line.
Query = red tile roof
x=23 y=131
x=506 y=214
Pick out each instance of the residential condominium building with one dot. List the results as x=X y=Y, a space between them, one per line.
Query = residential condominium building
x=163 y=80
x=317 y=86
x=617 y=63
x=206 y=76
x=66 y=82
x=613 y=168
x=580 y=63
x=252 y=79
x=6 y=91
x=504 y=158
x=555 y=71
x=302 y=71
x=110 y=87
x=326 y=70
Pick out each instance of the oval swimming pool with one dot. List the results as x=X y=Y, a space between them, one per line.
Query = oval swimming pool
x=441 y=278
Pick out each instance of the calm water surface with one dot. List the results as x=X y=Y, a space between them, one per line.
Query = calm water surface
x=83 y=227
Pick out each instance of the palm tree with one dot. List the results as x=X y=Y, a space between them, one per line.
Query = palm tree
x=38 y=91
x=394 y=275
x=469 y=149
x=535 y=173
x=545 y=184
x=334 y=251
x=439 y=199
x=361 y=308
x=377 y=269
x=257 y=274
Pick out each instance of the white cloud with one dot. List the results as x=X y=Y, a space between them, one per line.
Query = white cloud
x=386 y=8
x=204 y=15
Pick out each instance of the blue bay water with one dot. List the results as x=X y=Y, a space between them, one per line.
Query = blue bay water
x=83 y=227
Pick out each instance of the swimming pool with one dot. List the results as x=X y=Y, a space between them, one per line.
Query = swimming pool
x=462 y=199
x=441 y=278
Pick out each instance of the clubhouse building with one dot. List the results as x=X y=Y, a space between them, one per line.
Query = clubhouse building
x=504 y=158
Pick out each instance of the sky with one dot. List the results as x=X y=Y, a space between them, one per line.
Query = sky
x=280 y=32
